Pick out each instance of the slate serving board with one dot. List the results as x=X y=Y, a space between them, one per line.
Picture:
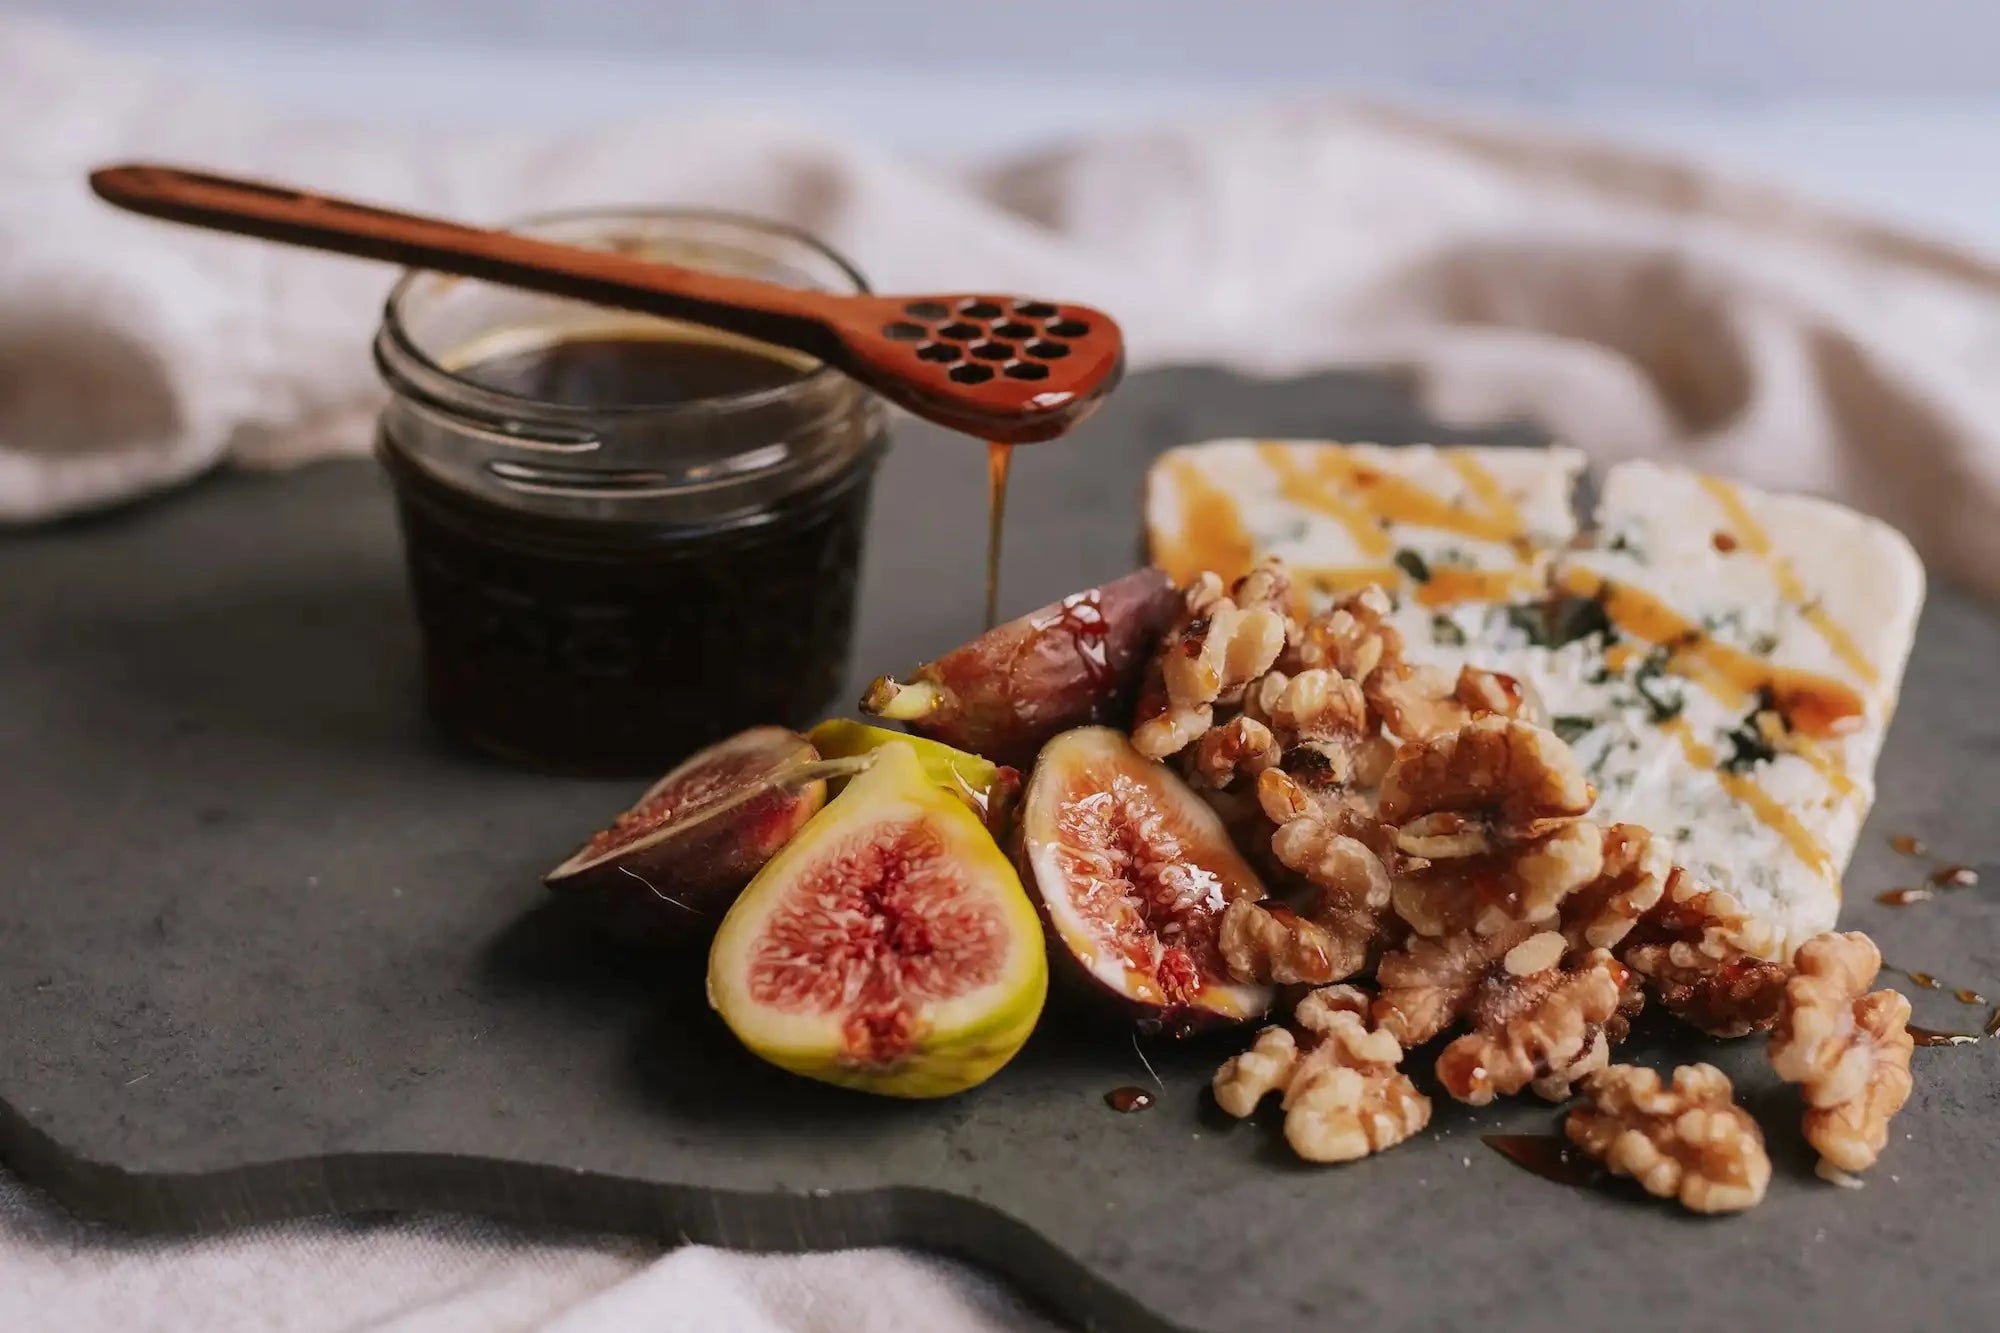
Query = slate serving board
x=268 y=947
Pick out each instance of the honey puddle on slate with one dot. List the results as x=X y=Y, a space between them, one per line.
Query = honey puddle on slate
x=1550 y=1156
x=1933 y=1037
x=1905 y=897
x=1965 y=995
x=1128 y=1099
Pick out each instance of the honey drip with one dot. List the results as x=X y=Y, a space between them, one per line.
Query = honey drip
x=999 y=462
x=1954 y=877
x=1908 y=845
x=1550 y=1156
x=1210 y=532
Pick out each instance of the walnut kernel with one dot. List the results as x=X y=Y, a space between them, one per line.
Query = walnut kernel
x=1848 y=1051
x=1686 y=1141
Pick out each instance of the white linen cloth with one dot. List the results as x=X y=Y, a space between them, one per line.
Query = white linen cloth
x=1636 y=305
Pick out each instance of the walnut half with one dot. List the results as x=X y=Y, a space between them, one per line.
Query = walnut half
x=1687 y=1140
x=1711 y=963
x=1344 y=1096
x=1848 y=1051
x=1538 y=1019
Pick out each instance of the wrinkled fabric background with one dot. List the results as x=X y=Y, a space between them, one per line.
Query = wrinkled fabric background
x=1636 y=305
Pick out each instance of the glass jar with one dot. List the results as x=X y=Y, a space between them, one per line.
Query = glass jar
x=626 y=537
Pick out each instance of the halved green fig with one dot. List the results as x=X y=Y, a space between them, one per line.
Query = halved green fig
x=675 y=860
x=889 y=948
x=990 y=789
x=1072 y=662
x=1134 y=870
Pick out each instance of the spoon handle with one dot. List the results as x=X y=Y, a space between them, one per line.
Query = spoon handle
x=766 y=311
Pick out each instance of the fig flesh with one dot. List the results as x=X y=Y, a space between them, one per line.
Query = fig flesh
x=672 y=863
x=1071 y=663
x=889 y=947
x=1134 y=870
x=990 y=789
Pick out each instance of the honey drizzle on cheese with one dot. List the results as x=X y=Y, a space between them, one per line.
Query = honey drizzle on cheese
x=1210 y=533
x=1491 y=493
x=1450 y=585
x=1367 y=500
x=1813 y=705
x=1317 y=490
x=1750 y=534
x=1336 y=580
x=1386 y=498
x=1826 y=765
x=1761 y=803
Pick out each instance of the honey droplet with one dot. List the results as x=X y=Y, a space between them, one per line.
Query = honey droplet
x=1992 y=1028
x=1128 y=1099
x=1966 y=995
x=1926 y=980
x=1954 y=877
x=1550 y=1156
x=1724 y=542
x=1902 y=897
x=1932 y=1037
x=1907 y=845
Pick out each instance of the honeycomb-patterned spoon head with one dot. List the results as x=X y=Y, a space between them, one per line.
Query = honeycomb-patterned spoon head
x=1006 y=368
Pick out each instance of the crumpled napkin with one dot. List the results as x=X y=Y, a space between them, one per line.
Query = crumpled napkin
x=1633 y=304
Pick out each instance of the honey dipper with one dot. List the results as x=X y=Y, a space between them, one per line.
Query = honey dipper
x=1006 y=369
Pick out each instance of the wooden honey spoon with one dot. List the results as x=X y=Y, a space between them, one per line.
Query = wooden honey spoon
x=1005 y=369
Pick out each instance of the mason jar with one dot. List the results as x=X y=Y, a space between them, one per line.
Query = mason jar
x=626 y=536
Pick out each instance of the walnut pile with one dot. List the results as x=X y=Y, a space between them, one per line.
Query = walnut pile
x=1329 y=851
x=1495 y=811
x=1419 y=702
x=1709 y=962
x=1424 y=827
x=1344 y=1096
x=1538 y=1020
x=1631 y=880
x=1687 y=1140
x=1847 y=1049
x=1271 y=942
x=1494 y=783
x=1221 y=643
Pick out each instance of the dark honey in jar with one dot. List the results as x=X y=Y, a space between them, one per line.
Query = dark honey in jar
x=626 y=538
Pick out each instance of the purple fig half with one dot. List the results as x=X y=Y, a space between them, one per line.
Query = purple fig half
x=1069 y=664
x=672 y=864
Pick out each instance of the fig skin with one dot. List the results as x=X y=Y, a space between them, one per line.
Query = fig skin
x=1071 y=663
x=983 y=1027
x=1085 y=967
x=991 y=790
x=679 y=879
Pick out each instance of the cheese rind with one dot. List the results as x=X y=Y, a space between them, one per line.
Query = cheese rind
x=1465 y=537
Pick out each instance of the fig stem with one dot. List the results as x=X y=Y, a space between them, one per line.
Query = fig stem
x=828 y=768
x=891 y=698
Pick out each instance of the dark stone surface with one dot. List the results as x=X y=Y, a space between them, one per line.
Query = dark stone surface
x=268 y=947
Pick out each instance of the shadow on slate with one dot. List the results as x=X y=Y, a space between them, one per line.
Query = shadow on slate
x=268 y=948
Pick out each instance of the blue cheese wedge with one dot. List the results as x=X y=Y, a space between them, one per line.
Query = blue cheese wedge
x=1724 y=661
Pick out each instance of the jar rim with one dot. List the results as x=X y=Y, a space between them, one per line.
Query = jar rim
x=394 y=331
